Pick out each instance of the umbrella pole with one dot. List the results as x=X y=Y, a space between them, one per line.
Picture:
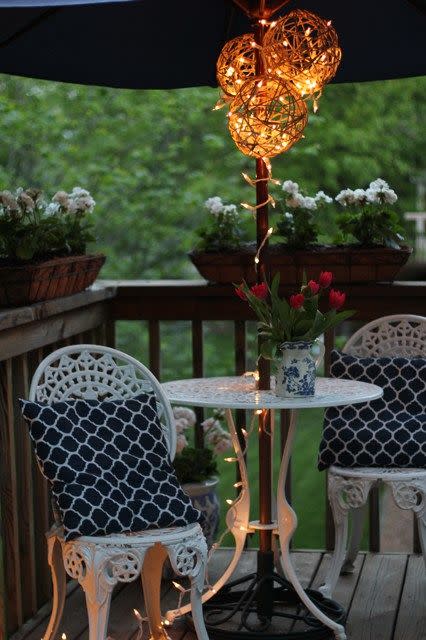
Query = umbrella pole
x=265 y=564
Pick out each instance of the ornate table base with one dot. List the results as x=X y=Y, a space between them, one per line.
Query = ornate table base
x=248 y=607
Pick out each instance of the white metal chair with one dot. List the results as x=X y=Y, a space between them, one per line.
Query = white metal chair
x=99 y=563
x=348 y=488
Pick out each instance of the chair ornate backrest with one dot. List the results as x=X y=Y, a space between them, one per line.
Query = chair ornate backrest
x=396 y=335
x=95 y=372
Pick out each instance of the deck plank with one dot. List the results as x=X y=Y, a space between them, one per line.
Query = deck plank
x=381 y=584
x=411 y=622
x=346 y=585
x=376 y=600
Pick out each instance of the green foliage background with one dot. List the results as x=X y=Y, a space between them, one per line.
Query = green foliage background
x=150 y=159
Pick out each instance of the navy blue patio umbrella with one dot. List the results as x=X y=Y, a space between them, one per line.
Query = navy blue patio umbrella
x=162 y=44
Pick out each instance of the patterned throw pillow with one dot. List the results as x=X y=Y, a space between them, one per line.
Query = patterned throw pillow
x=109 y=465
x=387 y=432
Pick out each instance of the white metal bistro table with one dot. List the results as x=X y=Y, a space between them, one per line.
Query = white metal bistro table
x=240 y=393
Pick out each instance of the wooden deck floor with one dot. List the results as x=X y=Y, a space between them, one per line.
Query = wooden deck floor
x=385 y=599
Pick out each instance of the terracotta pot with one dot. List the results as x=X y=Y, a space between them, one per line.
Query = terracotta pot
x=349 y=264
x=55 y=278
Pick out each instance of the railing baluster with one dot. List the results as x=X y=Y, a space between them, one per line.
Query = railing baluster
x=154 y=347
x=329 y=338
x=42 y=508
x=9 y=502
x=240 y=341
x=198 y=372
x=24 y=462
x=374 y=515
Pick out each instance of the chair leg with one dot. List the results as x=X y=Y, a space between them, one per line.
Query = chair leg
x=358 y=519
x=98 y=601
x=151 y=581
x=344 y=494
x=54 y=556
x=411 y=494
x=189 y=559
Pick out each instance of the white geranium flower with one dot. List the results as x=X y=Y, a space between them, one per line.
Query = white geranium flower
x=345 y=197
x=360 y=196
x=309 y=203
x=85 y=203
x=323 y=197
x=290 y=187
x=214 y=205
x=289 y=216
x=186 y=413
x=181 y=443
x=295 y=201
x=208 y=424
x=78 y=192
x=389 y=196
x=230 y=210
x=52 y=209
x=379 y=184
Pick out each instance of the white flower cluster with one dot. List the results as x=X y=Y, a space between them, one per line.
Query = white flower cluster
x=21 y=202
x=378 y=192
x=215 y=436
x=78 y=201
x=184 y=419
x=296 y=200
x=216 y=207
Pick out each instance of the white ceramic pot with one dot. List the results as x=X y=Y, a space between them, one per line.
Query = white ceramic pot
x=296 y=369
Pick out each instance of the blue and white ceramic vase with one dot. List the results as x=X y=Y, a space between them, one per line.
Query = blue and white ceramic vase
x=204 y=498
x=296 y=369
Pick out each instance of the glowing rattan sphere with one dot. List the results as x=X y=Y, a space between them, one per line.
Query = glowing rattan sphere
x=236 y=63
x=266 y=117
x=303 y=48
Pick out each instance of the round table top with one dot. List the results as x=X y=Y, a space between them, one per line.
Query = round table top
x=240 y=393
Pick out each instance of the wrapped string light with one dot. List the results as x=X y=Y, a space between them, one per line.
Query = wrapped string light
x=266 y=117
x=303 y=48
x=236 y=64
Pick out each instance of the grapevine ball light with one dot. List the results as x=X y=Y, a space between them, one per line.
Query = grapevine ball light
x=266 y=117
x=236 y=63
x=303 y=48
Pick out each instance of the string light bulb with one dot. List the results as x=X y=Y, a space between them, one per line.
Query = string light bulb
x=303 y=48
x=266 y=120
x=236 y=63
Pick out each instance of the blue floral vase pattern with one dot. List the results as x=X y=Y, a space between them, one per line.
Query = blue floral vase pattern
x=204 y=498
x=296 y=370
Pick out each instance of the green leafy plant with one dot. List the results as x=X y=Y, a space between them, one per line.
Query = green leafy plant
x=197 y=465
x=32 y=229
x=222 y=232
x=297 y=216
x=299 y=318
x=369 y=218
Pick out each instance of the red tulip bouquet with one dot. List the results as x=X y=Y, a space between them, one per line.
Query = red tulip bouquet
x=295 y=320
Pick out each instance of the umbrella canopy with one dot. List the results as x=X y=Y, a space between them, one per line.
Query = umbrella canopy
x=163 y=44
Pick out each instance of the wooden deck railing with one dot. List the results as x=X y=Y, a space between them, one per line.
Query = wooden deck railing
x=28 y=334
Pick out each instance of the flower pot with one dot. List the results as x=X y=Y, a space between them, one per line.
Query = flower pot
x=204 y=498
x=349 y=264
x=29 y=283
x=296 y=369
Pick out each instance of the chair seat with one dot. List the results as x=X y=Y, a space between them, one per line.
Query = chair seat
x=377 y=473
x=142 y=538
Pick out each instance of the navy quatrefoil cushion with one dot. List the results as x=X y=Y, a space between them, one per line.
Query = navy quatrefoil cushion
x=109 y=465
x=387 y=432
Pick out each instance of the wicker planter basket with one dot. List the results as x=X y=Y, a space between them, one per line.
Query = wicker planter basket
x=348 y=264
x=26 y=284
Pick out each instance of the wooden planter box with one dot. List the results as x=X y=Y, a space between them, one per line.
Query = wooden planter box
x=26 y=284
x=348 y=264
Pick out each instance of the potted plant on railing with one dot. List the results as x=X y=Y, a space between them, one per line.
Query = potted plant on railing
x=368 y=248
x=43 y=245
x=369 y=245
x=196 y=468
x=222 y=253
x=288 y=330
